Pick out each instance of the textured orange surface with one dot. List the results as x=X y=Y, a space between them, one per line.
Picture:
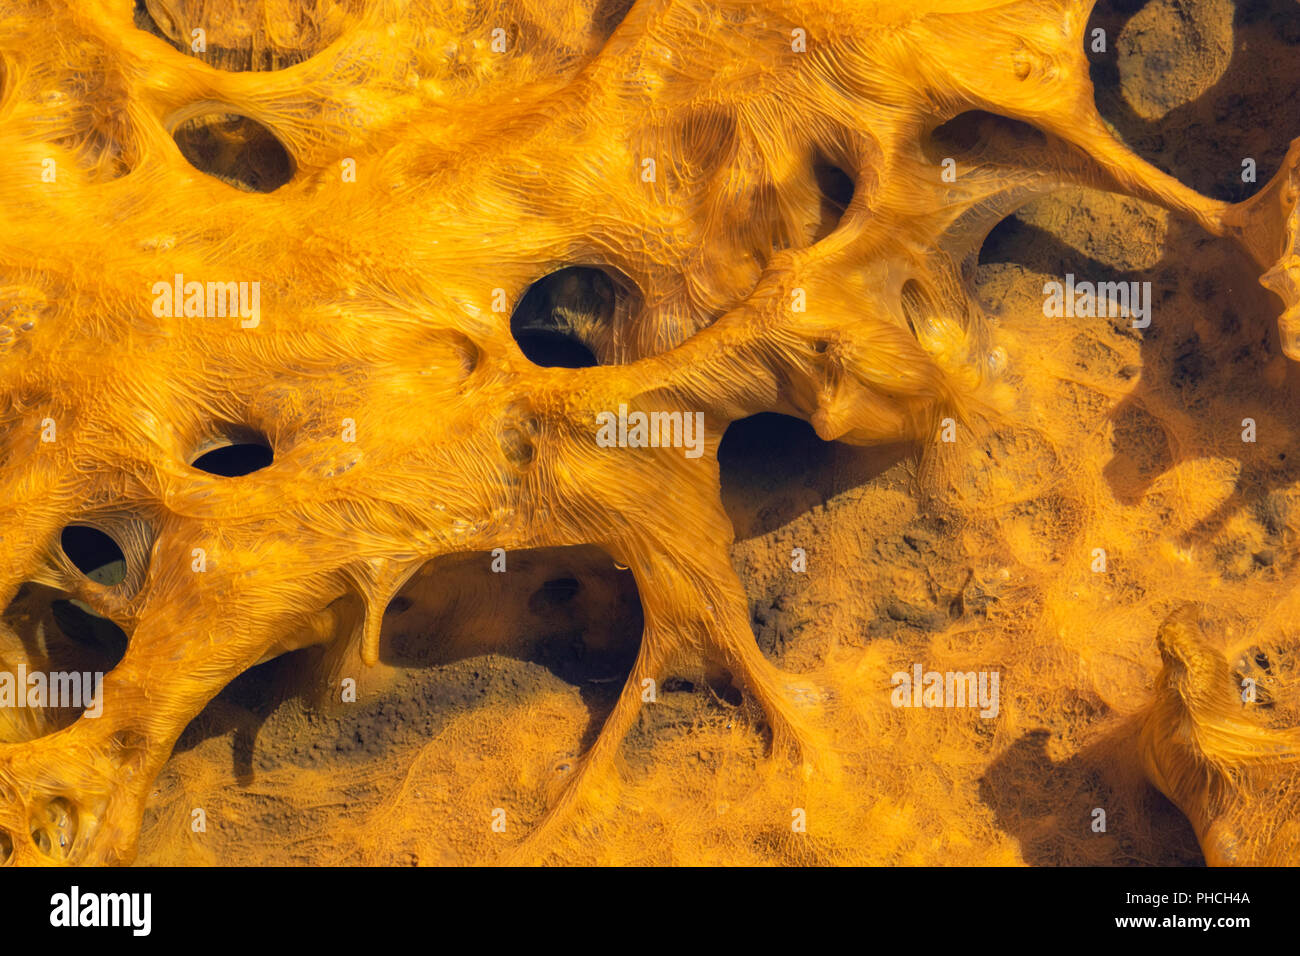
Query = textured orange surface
x=432 y=170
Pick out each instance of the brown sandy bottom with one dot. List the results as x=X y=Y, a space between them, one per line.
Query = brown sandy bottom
x=1124 y=440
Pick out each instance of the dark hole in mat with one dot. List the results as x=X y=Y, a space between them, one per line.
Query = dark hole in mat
x=235 y=149
x=234 y=460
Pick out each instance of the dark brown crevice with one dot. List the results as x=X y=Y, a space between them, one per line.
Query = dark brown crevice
x=918 y=307
x=608 y=14
x=253 y=51
x=836 y=188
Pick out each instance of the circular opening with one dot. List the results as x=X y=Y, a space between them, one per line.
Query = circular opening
x=235 y=459
x=94 y=553
x=235 y=149
x=567 y=318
